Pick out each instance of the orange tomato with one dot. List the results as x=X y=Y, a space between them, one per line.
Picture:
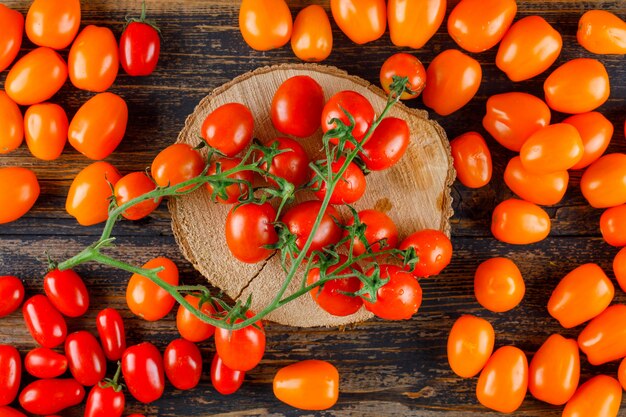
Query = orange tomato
x=88 y=198
x=619 y=268
x=581 y=295
x=413 y=22
x=613 y=225
x=19 y=189
x=596 y=132
x=132 y=186
x=602 y=32
x=542 y=189
x=93 y=61
x=53 y=23
x=175 y=164
x=266 y=24
x=362 y=21
x=553 y=148
x=604 y=338
x=453 y=79
x=312 y=37
x=519 y=222
x=145 y=298
x=503 y=381
x=529 y=48
x=308 y=385
x=472 y=159
x=601 y=396
x=511 y=118
x=554 y=371
x=36 y=77
x=470 y=344
x=12 y=24
x=621 y=373
x=46 y=127
x=403 y=65
x=578 y=86
x=189 y=326
x=11 y=124
x=604 y=182
x=498 y=285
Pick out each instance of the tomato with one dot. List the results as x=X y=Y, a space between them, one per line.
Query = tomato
x=528 y=48
x=132 y=186
x=53 y=24
x=503 y=381
x=557 y=147
x=6 y=411
x=472 y=159
x=380 y=232
x=182 y=361
x=404 y=65
x=67 y=292
x=300 y=218
x=292 y=165
x=189 y=326
x=49 y=396
x=12 y=23
x=229 y=128
x=46 y=128
x=85 y=358
x=88 y=197
x=542 y=189
x=19 y=189
x=332 y=296
x=387 y=144
x=308 y=385
x=621 y=373
x=265 y=25
x=297 y=106
x=595 y=131
x=241 y=350
x=555 y=370
x=453 y=79
x=578 y=86
x=619 y=268
x=413 y=22
x=433 y=248
x=613 y=225
x=478 y=25
x=105 y=399
x=312 y=37
x=399 y=298
x=44 y=322
x=11 y=124
x=99 y=125
x=362 y=21
x=604 y=182
x=175 y=164
x=498 y=285
x=519 y=222
x=249 y=230
x=470 y=344
x=601 y=396
x=142 y=367
x=357 y=106
x=112 y=334
x=11 y=294
x=512 y=118
x=45 y=363
x=93 y=61
x=140 y=46
x=602 y=32
x=145 y=298
x=11 y=365
x=225 y=380
x=235 y=190
x=604 y=338
x=349 y=189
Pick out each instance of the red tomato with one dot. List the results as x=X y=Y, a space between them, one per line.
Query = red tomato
x=44 y=322
x=45 y=363
x=53 y=24
x=11 y=365
x=67 y=292
x=512 y=118
x=404 y=65
x=241 y=350
x=602 y=32
x=619 y=268
x=528 y=48
x=11 y=412
x=472 y=159
x=292 y=165
x=331 y=296
x=413 y=22
x=189 y=326
x=542 y=189
x=498 y=285
x=503 y=381
x=595 y=131
x=478 y=25
x=11 y=294
x=453 y=79
x=387 y=144
x=578 y=86
x=132 y=186
x=11 y=124
x=19 y=189
x=349 y=189
x=105 y=400
x=12 y=23
x=312 y=37
x=362 y=21
x=380 y=232
x=399 y=298
x=307 y=385
x=225 y=380
x=265 y=25
x=99 y=125
x=182 y=361
x=613 y=225
x=297 y=106
x=46 y=129
x=175 y=164
x=519 y=222
x=470 y=344
x=49 y=396
x=604 y=338
x=300 y=218
x=357 y=106
x=555 y=370
x=140 y=46
x=604 y=183
x=557 y=147
x=601 y=396
x=88 y=197
x=93 y=61
x=433 y=248
x=142 y=367
x=112 y=334
x=145 y=298
x=233 y=191
x=249 y=229
x=229 y=128
x=85 y=358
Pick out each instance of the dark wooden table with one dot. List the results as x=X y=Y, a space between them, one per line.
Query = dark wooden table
x=386 y=368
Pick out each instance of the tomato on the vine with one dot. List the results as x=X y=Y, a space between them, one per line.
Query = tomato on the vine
x=175 y=164
x=93 y=60
x=45 y=363
x=225 y=380
x=265 y=25
x=604 y=182
x=142 y=367
x=189 y=326
x=595 y=131
x=300 y=218
x=291 y=165
x=542 y=189
x=307 y=385
x=399 y=298
x=112 y=334
x=350 y=187
x=604 y=338
x=88 y=197
x=297 y=106
x=519 y=222
x=182 y=361
x=433 y=248
x=498 y=285
x=503 y=382
x=11 y=294
x=44 y=322
x=145 y=298
x=140 y=46
x=11 y=366
x=228 y=128
x=602 y=32
x=413 y=22
x=46 y=130
x=132 y=186
x=312 y=36
x=12 y=23
x=404 y=65
x=600 y=396
x=49 y=396
x=362 y=21
x=53 y=24
x=243 y=349
x=11 y=124
x=356 y=105
x=233 y=191
x=380 y=232
x=470 y=344
x=249 y=230
x=478 y=25
x=85 y=358
x=67 y=292
x=333 y=296
x=472 y=159
x=387 y=144
x=613 y=225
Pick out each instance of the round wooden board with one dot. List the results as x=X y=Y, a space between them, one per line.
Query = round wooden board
x=415 y=193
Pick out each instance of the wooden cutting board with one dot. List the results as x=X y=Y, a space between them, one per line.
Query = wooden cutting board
x=415 y=193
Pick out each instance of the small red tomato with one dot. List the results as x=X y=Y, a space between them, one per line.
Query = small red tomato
x=93 y=60
x=234 y=191
x=291 y=165
x=132 y=186
x=12 y=23
x=557 y=147
x=602 y=32
x=357 y=106
x=350 y=187
x=333 y=296
x=182 y=361
x=478 y=25
x=6 y=411
x=498 y=285
x=542 y=189
x=11 y=294
x=503 y=381
x=229 y=128
x=380 y=232
x=312 y=36
x=145 y=298
x=142 y=367
x=307 y=385
x=595 y=131
x=604 y=338
x=11 y=124
x=399 y=298
x=225 y=380
x=387 y=144
x=362 y=21
x=49 y=396
x=472 y=159
x=404 y=65
x=619 y=268
x=140 y=46
x=175 y=164
x=106 y=399
x=470 y=344
x=85 y=358
x=241 y=350
x=601 y=396
x=67 y=292
x=413 y=22
x=249 y=230
x=433 y=248
x=45 y=323
x=45 y=363
x=519 y=222
x=19 y=190
x=613 y=225
x=189 y=326
x=53 y=24
x=297 y=106
x=112 y=334
x=300 y=219
x=46 y=129
x=604 y=182
x=11 y=365
x=265 y=25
